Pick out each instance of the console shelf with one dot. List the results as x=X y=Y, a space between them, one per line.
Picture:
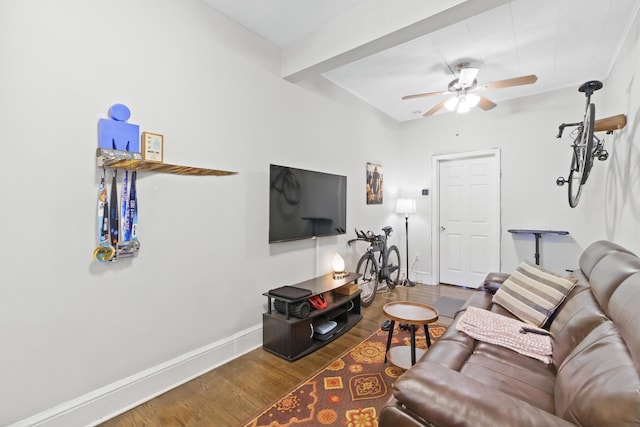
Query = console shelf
x=292 y=338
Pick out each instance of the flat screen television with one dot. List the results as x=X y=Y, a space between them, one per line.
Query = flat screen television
x=305 y=204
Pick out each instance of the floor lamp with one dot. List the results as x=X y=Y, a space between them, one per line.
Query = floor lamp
x=406 y=207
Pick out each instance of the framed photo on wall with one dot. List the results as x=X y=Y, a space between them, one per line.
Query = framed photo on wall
x=374 y=184
x=152 y=147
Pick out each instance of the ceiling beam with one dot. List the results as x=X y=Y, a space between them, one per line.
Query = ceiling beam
x=370 y=28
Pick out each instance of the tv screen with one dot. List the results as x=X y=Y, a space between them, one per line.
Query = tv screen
x=305 y=204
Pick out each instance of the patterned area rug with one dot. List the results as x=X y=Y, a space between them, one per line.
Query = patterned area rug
x=350 y=391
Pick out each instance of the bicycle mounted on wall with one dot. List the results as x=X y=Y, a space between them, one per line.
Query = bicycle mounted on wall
x=586 y=145
x=372 y=271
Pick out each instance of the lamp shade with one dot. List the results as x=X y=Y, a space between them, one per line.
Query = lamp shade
x=406 y=206
x=337 y=263
x=452 y=103
x=463 y=107
x=472 y=99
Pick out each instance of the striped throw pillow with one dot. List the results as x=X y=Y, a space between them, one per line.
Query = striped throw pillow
x=532 y=293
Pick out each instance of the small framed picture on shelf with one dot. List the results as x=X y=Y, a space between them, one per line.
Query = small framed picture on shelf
x=152 y=147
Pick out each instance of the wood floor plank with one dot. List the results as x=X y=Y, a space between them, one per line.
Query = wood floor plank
x=238 y=390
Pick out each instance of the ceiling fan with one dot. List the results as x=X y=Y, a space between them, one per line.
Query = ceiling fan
x=462 y=89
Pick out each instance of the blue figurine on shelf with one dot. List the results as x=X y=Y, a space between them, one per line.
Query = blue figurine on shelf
x=114 y=133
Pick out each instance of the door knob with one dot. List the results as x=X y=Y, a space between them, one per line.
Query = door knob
x=442 y=228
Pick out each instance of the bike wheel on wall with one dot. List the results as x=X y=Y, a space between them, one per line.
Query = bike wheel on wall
x=575 y=177
x=586 y=140
x=393 y=267
x=368 y=281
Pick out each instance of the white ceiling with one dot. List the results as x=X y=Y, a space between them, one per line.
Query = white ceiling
x=384 y=52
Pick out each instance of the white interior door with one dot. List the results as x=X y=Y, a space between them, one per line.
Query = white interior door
x=468 y=224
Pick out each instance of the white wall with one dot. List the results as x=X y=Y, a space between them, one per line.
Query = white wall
x=74 y=331
x=532 y=158
x=618 y=205
x=71 y=326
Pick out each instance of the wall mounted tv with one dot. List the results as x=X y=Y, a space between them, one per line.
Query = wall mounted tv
x=305 y=204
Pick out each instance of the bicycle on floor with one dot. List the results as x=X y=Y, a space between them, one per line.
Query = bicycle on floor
x=379 y=264
x=586 y=145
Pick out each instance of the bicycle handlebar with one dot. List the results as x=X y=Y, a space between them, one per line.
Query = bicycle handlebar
x=369 y=237
x=564 y=125
x=361 y=234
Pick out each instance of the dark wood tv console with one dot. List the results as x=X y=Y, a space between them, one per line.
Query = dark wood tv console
x=292 y=338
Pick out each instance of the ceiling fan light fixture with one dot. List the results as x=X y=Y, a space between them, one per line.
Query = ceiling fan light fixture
x=472 y=99
x=463 y=107
x=452 y=103
x=462 y=103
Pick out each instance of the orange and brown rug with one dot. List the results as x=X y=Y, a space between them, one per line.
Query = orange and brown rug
x=350 y=391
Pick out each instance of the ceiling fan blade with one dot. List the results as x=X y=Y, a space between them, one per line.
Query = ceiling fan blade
x=516 y=81
x=434 y=110
x=422 y=95
x=467 y=76
x=486 y=104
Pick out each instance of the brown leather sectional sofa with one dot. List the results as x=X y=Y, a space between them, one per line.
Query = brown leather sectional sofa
x=593 y=381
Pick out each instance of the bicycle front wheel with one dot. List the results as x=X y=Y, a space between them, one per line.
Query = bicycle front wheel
x=393 y=266
x=575 y=178
x=586 y=141
x=368 y=281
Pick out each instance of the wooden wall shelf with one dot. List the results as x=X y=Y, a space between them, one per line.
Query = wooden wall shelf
x=133 y=161
x=609 y=124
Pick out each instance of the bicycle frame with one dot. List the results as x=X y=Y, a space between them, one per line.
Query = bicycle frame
x=582 y=146
x=375 y=265
x=380 y=246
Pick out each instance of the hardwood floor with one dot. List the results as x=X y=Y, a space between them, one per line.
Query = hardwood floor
x=232 y=394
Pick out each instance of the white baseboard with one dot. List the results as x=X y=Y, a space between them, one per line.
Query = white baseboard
x=109 y=401
x=423 y=277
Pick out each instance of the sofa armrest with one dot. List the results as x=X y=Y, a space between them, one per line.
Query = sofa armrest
x=493 y=281
x=446 y=397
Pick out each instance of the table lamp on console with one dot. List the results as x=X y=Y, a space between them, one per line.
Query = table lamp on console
x=338 y=267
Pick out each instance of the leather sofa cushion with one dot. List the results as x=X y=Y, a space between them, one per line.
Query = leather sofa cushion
x=512 y=373
x=445 y=397
x=478 y=299
x=493 y=281
x=454 y=347
x=451 y=354
x=609 y=273
x=598 y=384
x=595 y=252
x=624 y=306
x=574 y=320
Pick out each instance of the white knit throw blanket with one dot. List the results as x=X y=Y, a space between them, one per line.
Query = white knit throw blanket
x=500 y=330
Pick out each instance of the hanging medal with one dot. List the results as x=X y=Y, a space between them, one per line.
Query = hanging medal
x=104 y=252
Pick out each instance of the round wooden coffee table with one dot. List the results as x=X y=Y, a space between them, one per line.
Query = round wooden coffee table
x=413 y=314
